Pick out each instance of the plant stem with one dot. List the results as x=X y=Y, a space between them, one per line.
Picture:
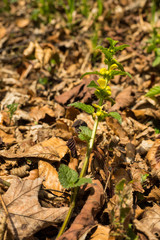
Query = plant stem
x=82 y=174
x=89 y=149
x=70 y=211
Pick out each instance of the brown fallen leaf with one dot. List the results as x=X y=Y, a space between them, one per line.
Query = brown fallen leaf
x=47 y=55
x=50 y=176
x=102 y=232
x=80 y=92
x=151 y=220
x=28 y=51
x=38 y=113
x=124 y=99
x=86 y=217
x=26 y=216
x=153 y=158
x=22 y=22
x=2 y=31
x=7 y=138
x=52 y=149
x=39 y=53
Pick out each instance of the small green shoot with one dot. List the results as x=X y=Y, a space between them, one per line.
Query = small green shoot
x=121 y=211
x=153 y=44
x=11 y=110
x=68 y=177
x=43 y=81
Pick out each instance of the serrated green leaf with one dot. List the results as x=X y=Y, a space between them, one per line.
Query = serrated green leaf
x=115 y=115
x=153 y=91
x=67 y=176
x=82 y=181
x=92 y=84
x=87 y=108
x=90 y=73
x=85 y=134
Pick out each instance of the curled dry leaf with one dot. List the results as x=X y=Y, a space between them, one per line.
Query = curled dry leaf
x=153 y=158
x=26 y=216
x=151 y=220
x=85 y=219
x=33 y=174
x=47 y=55
x=39 y=53
x=20 y=171
x=29 y=50
x=50 y=176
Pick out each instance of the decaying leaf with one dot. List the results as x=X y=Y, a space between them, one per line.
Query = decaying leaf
x=151 y=221
x=38 y=113
x=7 y=138
x=102 y=232
x=47 y=55
x=153 y=158
x=85 y=219
x=80 y=91
x=39 y=53
x=26 y=216
x=28 y=51
x=50 y=176
x=123 y=99
x=22 y=22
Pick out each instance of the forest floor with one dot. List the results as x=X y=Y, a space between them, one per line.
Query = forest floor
x=45 y=48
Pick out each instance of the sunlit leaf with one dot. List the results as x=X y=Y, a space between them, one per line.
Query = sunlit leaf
x=87 y=108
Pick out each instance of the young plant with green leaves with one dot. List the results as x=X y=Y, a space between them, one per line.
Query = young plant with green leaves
x=103 y=94
x=121 y=211
x=11 y=110
x=153 y=44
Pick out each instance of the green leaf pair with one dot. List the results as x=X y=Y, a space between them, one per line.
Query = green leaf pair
x=69 y=178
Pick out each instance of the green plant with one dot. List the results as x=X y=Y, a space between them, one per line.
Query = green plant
x=69 y=11
x=153 y=92
x=103 y=94
x=43 y=8
x=85 y=8
x=120 y=212
x=153 y=44
x=11 y=110
x=43 y=81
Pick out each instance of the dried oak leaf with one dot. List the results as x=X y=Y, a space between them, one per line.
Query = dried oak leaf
x=153 y=158
x=52 y=149
x=80 y=92
x=26 y=216
x=85 y=219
